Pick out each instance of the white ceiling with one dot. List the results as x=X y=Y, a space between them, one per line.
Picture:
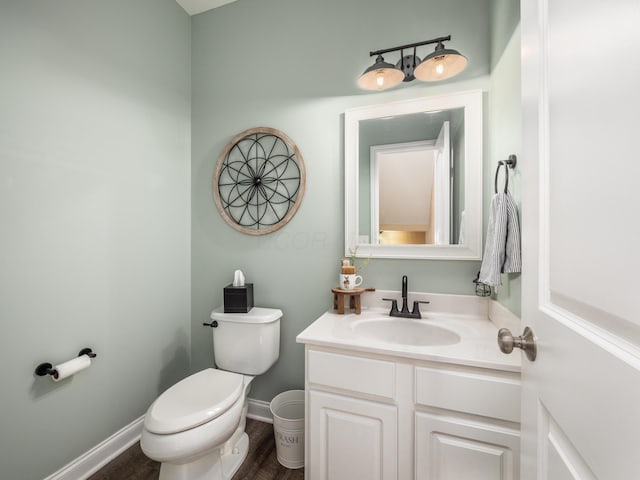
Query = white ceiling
x=193 y=7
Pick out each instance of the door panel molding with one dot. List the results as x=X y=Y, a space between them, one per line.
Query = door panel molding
x=559 y=459
x=617 y=336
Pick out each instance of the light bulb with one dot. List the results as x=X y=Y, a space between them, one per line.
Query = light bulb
x=440 y=65
x=380 y=79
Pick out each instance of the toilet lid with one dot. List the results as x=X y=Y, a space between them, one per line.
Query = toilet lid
x=194 y=401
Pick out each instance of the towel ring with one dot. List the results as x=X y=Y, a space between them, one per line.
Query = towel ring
x=509 y=163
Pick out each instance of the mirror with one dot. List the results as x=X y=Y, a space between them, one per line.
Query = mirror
x=413 y=178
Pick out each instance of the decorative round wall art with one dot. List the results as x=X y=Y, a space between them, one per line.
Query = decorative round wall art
x=259 y=181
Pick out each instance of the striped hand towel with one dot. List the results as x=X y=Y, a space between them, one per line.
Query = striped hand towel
x=502 y=248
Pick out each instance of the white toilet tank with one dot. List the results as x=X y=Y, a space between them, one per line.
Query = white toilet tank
x=247 y=343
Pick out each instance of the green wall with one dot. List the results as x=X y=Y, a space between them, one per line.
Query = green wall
x=505 y=138
x=95 y=215
x=293 y=65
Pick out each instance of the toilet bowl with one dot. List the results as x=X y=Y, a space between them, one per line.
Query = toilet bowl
x=190 y=428
x=196 y=427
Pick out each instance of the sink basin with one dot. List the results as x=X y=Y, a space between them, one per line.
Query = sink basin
x=404 y=331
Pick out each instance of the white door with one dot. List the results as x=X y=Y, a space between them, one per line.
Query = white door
x=581 y=239
x=442 y=186
x=399 y=201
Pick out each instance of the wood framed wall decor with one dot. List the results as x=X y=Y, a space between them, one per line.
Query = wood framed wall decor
x=259 y=181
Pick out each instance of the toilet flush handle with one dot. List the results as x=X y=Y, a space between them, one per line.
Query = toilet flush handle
x=213 y=324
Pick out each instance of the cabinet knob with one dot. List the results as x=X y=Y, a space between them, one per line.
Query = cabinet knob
x=526 y=342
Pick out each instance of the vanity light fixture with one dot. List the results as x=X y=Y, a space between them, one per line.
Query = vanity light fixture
x=441 y=64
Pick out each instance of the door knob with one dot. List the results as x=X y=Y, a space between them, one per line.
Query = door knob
x=526 y=342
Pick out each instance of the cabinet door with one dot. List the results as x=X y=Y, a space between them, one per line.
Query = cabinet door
x=450 y=448
x=351 y=439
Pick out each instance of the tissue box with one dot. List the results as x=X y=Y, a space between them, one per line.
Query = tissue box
x=238 y=299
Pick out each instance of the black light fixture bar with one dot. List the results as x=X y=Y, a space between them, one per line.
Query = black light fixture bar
x=410 y=45
x=440 y=64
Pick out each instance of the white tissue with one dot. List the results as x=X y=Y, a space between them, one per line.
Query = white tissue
x=238 y=278
x=71 y=367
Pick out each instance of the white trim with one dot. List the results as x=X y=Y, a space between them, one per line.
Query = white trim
x=471 y=101
x=259 y=410
x=94 y=459
x=374 y=168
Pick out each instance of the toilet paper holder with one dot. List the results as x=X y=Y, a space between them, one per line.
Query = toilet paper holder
x=46 y=368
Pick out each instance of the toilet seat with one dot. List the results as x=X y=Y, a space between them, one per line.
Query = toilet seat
x=196 y=400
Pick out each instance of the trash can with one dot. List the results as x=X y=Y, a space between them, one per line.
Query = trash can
x=287 y=409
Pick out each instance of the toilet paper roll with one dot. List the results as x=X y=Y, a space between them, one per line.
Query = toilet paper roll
x=71 y=367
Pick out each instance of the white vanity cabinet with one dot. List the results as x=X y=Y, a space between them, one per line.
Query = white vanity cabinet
x=351 y=417
x=381 y=417
x=466 y=423
x=351 y=438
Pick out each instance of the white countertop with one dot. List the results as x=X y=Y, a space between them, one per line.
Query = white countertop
x=478 y=346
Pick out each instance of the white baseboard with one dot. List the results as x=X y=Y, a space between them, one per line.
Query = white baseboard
x=93 y=460
x=259 y=410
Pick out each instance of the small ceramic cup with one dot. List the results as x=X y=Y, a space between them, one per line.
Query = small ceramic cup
x=349 y=282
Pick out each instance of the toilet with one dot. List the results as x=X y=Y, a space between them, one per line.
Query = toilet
x=196 y=427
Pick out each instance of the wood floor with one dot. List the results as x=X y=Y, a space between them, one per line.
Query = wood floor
x=261 y=462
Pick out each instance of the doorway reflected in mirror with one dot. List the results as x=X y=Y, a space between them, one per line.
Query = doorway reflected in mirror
x=398 y=206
